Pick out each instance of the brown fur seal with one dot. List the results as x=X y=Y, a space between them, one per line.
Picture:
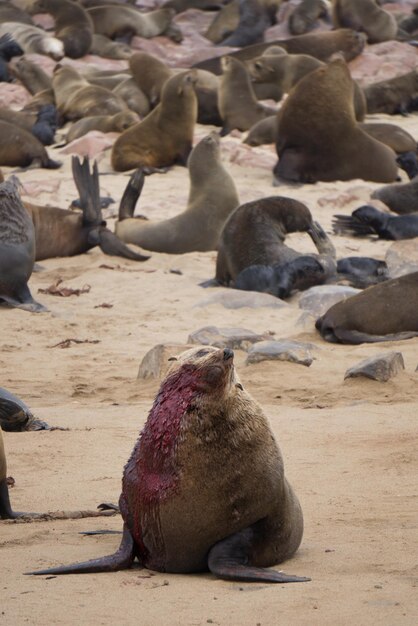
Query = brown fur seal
x=401 y=198
x=17 y=249
x=42 y=125
x=366 y=16
x=15 y=415
x=131 y=94
x=276 y=74
x=33 y=39
x=224 y=23
x=104 y=47
x=263 y=132
x=321 y=45
x=62 y=233
x=73 y=26
x=212 y=198
x=150 y=74
x=76 y=98
x=255 y=234
x=392 y=135
x=124 y=22
x=20 y=147
x=253 y=20
x=33 y=77
x=105 y=123
x=238 y=105
x=384 y=312
x=165 y=136
x=6 y=511
x=318 y=137
x=180 y=513
x=11 y=13
x=306 y=15
x=395 y=95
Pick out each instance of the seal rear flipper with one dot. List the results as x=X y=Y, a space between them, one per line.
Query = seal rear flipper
x=356 y=337
x=229 y=557
x=121 y=559
x=88 y=189
x=131 y=194
x=110 y=244
x=24 y=300
x=5 y=506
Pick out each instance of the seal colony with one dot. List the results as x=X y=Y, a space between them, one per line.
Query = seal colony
x=180 y=513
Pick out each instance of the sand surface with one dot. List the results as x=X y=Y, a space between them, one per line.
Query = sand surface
x=349 y=446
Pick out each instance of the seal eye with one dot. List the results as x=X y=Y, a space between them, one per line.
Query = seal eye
x=201 y=353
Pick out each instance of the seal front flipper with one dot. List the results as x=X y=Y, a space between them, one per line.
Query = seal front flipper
x=229 y=558
x=131 y=194
x=121 y=559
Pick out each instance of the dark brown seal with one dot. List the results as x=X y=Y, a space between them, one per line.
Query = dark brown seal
x=15 y=416
x=165 y=136
x=255 y=234
x=17 y=249
x=212 y=198
x=384 y=312
x=318 y=137
x=395 y=95
x=321 y=45
x=367 y=220
x=366 y=16
x=73 y=25
x=20 y=147
x=238 y=105
x=181 y=514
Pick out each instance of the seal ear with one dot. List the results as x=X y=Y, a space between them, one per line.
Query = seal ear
x=172 y=358
x=239 y=386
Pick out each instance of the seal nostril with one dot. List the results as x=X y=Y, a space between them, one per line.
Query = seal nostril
x=228 y=354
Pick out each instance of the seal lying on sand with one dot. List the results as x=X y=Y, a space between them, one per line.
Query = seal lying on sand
x=19 y=147
x=367 y=220
x=385 y=312
x=17 y=249
x=15 y=416
x=33 y=39
x=60 y=233
x=212 y=198
x=181 y=513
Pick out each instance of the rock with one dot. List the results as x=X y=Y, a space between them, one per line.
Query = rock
x=234 y=338
x=236 y=299
x=317 y=300
x=382 y=367
x=402 y=257
x=155 y=363
x=282 y=350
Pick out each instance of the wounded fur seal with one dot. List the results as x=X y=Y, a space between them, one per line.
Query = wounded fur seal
x=318 y=137
x=384 y=312
x=165 y=136
x=181 y=514
x=212 y=198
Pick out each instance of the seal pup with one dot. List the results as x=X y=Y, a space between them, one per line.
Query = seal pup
x=212 y=198
x=150 y=74
x=370 y=221
x=392 y=135
x=107 y=48
x=33 y=39
x=255 y=234
x=321 y=45
x=61 y=233
x=131 y=94
x=365 y=16
x=263 y=132
x=42 y=125
x=20 y=147
x=238 y=105
x=306 y=15
x=318 y=137
x=17 y=249
x=395 y=95
x=33 y=77
x=123 y=22
x=104 y=123
x=76 y=97
x=181 y=514
x=165 y=136
x=384 y=312
x=73 y=25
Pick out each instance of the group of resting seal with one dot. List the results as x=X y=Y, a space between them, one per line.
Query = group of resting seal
x=180 y=513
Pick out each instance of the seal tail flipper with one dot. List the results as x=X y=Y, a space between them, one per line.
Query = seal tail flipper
x=350 y=225
x=88 y=189
x=121 y=559
x=131 y=194
x=228 y=559
x=110 y=244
